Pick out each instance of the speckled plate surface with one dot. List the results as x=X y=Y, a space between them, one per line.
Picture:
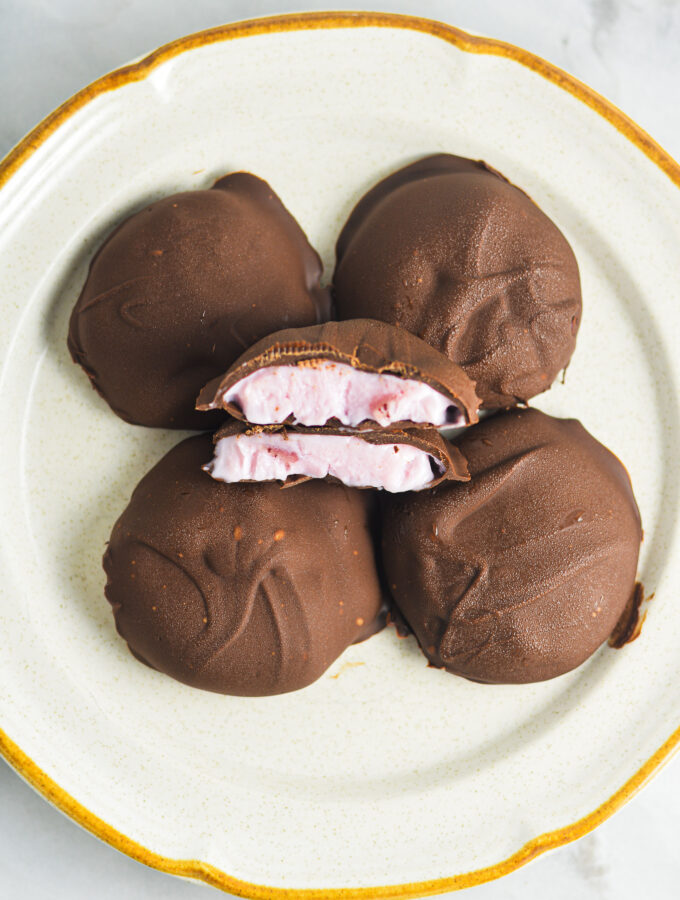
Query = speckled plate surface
x=385 y=778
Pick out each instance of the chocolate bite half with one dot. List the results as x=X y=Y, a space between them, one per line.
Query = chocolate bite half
x=448 y=249
x=359 y=373
x=389 y=460
x=179 y=290
x=241 y=589
x=521 y=574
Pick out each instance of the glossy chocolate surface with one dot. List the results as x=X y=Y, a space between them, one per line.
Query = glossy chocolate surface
x=179 y=290
x=241 y=588
x=448 y=249
x=523 y=572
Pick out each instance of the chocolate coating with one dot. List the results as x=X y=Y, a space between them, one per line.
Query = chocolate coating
x=179 y=290
x=364 y=344
x=521 y=574
x=241 y=589
x=450 y=250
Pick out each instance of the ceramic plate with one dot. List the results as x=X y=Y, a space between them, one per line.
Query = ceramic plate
x=385 y=778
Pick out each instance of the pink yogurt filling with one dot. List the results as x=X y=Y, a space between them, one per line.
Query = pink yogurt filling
x=357 y=463
x=314 y=394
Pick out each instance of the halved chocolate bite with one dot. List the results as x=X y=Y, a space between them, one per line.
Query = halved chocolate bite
x=522 y=573
x=389 y=460
x=450 y=250
x=221 y=587
x=178 y=291
x=359 y=373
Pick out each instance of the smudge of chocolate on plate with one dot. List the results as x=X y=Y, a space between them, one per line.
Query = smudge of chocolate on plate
x=356 y=345
x=297 y=449
x=179 y=290
x=244 y=588
x=629 y=626
x=523 y=572
x=450 y=250
x=345 y=667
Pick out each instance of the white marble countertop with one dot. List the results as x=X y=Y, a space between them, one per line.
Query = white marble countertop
x=625 y=49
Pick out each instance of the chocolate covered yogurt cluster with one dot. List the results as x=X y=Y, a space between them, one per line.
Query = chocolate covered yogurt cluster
x=252 y=555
